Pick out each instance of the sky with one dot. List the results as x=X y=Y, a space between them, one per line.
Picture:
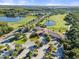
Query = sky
x=41 y=2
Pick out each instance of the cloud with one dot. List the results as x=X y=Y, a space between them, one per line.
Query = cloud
x=6 y=2
x=74 y=4
x=41 y=2
x=53 y=4
x=13 y=2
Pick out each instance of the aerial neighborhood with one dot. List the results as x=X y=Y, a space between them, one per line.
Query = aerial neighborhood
x=38 y=32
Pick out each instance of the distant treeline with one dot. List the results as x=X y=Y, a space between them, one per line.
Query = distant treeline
x=13 y=12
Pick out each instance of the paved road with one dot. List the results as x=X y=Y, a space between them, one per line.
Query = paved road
x=35 y=21
x=51 y=33
x=26 y=50
x=23 y=54
x=6 y=36
x=41 y=52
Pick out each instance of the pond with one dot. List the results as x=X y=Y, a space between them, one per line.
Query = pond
x=10 y=19
x=50 y=23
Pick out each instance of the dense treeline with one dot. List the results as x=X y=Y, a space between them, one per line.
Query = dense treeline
x=4 y=28
x=71 y=42
x=13 y=12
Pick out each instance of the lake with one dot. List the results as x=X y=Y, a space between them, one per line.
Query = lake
x=10 y=19
x=49 y=23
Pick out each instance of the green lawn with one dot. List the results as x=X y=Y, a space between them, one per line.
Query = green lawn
x=34 y=39
x=1 y=47
x=21 y=22
x=60 y=26
x=21 y=41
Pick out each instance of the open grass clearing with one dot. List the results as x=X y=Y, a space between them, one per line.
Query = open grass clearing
x=59 y=26
x=21 y=41
x=21 y=22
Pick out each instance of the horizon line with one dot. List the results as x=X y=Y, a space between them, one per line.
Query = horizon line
x=44 y=5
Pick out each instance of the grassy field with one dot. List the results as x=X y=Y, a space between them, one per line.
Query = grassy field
x=60 y=26
x=21 y=22
x=34 y=39
x=21 y=41
x=1 y=47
